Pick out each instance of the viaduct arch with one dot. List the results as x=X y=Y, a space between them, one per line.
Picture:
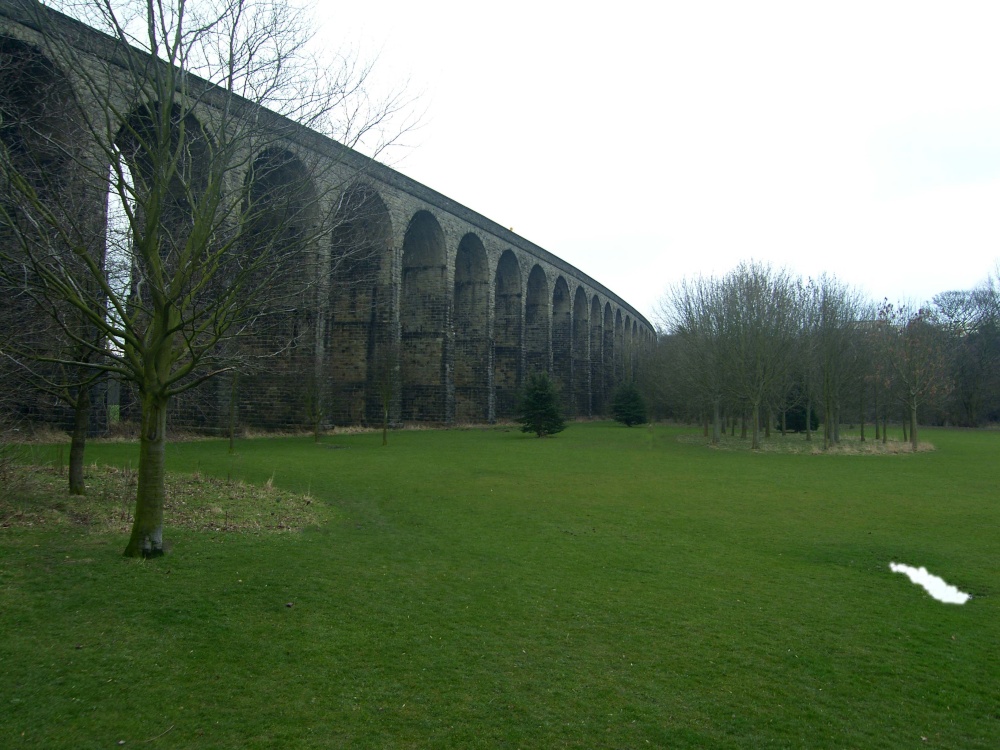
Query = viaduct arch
x=415 y=303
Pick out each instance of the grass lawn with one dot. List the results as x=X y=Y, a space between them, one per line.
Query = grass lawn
x=605 y=588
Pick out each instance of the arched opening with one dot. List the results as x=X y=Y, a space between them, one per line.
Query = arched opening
x=609 y=356
x=52 y=206
x=160 y=169
x=471 y=325
x=172 y=186
x=635 y=349
x=40 y=127
x=506 y=335
x=596 y=357
x=537 y=323
x=423 y=321
x=619 y=363
x=562 y=342
x=279 y=381
x=357 y=346
x=581 y=353
x=628 y=351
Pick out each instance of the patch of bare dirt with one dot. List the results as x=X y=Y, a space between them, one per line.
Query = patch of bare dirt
x=38 y=497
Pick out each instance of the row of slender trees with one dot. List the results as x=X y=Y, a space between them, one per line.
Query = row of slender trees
x=761 y=344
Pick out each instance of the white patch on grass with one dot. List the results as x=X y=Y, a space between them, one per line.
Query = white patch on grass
x=934 y=585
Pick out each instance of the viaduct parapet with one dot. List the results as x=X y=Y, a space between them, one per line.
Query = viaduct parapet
x=412 y=301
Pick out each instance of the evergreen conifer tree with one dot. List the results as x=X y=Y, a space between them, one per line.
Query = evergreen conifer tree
x=538 y=410
x=795 y=418
x=628 y=406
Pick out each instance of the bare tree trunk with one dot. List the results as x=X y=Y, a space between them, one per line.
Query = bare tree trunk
x=755 y=426
x=913 y=424
x=233 y=385
x=827 y=423
x=78 y=441
x=878 y=431
x=809 y=432
x=861 y=414
x=147 y=528
x=715 y=422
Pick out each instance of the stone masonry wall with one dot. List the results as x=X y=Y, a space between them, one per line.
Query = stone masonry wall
x=409 y=301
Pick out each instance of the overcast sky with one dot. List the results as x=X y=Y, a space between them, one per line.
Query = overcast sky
x=644 y=142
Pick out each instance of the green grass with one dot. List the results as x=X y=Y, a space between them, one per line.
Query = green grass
x=606 y=588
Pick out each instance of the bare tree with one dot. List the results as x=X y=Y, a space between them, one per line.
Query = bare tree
x=693 y=313
x=760 y=331
x=839 y=310
x=736 y=336
x=970 y=319
x=219 y=200
x=917 y=355
x=65 y=383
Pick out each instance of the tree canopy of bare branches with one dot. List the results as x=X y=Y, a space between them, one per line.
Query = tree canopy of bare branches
x=759 y=340
x=736 y=336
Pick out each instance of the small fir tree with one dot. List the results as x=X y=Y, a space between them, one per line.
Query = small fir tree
x=628 y=406
x=538 y=410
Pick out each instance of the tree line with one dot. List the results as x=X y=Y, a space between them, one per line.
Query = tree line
x=769 y=350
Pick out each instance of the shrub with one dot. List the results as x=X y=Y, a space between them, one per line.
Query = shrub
x=628 y=406
x=538 y=410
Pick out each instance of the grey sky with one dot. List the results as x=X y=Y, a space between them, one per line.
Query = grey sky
x=647 y=142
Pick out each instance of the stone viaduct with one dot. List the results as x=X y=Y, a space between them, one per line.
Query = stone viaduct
x=416 y=302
